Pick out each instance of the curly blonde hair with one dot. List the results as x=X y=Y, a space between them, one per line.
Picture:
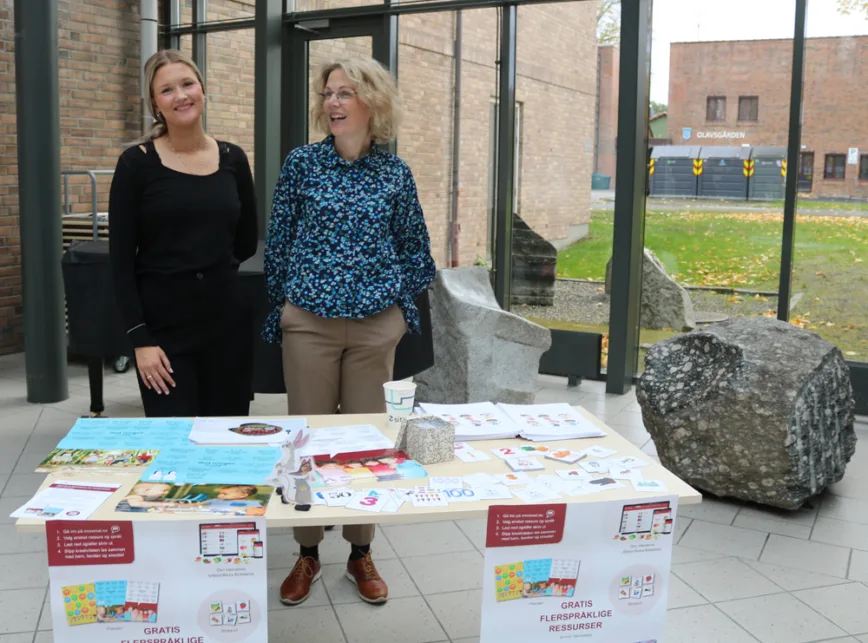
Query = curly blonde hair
x=374 y=86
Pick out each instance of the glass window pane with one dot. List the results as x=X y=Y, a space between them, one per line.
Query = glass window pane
x=230 y=81
x=567 y=118
x=458 y=214
x=218 y=10
x=830 y=267
x=714 y=217
x=319 y=5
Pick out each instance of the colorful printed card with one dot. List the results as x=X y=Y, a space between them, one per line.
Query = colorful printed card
x=509 y=580
x=537 y=578
x=381 y=465
x=96 y=459
x=80 y=603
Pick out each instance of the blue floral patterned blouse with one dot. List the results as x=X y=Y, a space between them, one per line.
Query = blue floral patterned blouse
x=345 y=239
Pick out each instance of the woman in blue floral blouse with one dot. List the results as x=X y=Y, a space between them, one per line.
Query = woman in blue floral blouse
x=347 y=254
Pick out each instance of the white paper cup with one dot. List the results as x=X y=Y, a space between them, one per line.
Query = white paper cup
x=399 y=401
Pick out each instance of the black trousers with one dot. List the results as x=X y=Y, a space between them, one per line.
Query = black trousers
x=213 y=380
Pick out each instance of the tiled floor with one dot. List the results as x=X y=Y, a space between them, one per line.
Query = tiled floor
x=740 y=574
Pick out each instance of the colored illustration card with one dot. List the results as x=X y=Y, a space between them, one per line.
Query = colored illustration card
x=79 y=603
x=509 y=581
x=617 y=472
x=427 y=497
x=600 y=452
x=595 y=466
x=523 y=463
x=506 y=452
x=513 y=479
x=567 y=456
x=605 y=483
x=630 y=461
x=573 y=474
x=649 y=485
x=97 y=459
x=466 y=453
x=371 y=500
x=461 y=495
x=337 y=497
x=439 y=482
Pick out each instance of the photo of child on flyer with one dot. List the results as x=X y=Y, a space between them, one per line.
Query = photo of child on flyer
x=379 y=465
x=164 y=497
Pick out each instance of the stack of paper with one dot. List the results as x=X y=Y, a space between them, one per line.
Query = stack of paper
x=483 y=421
x=541 y=422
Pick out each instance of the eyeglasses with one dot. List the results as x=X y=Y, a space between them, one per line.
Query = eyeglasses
x=343 y=96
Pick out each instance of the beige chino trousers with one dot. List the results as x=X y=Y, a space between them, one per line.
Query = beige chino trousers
x=331 y=364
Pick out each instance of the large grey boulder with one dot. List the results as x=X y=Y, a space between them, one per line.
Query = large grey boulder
x=750 y=408
x=481 y=352
x=665 y=304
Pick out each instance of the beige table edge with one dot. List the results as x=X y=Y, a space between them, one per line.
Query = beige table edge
x=280 y=515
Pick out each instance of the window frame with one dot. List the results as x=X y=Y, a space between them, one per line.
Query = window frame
x=843 y=159
x=863 y=166
x=744 y=99
x=708 y=100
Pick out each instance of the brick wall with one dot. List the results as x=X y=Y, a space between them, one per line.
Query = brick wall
x=835 y=115
x=11 y=330
x=100 y=110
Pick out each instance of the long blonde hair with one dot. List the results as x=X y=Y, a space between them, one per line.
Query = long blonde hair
x=152 y=66
x=375 y=87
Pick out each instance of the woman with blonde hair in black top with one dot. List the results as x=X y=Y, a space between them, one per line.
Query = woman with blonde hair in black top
x=182 y=217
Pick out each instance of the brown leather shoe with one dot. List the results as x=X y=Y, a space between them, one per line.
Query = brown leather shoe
x=296 y=587
x=362 y=572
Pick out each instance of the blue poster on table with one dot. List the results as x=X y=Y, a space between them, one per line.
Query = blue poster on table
x=127 y=433
x=213 y=465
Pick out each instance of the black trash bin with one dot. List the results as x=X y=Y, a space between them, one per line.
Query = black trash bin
x=96 y=331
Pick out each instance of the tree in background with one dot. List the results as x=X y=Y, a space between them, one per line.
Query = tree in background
x=848 y=7
x=657 y=108
x=609 y=22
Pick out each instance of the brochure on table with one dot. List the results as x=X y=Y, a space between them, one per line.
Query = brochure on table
x=67 y=500
x=243 y=431
x=191 y=581
x=594 y=571
x=488 y=421
x=127 y=433
x=212 y=480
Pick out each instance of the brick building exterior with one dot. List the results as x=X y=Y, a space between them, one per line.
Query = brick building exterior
x=742 y=89
x=100 y=111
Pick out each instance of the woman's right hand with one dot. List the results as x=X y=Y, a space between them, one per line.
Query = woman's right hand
x=154 y=369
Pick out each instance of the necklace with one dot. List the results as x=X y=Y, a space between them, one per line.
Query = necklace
x=181 y=157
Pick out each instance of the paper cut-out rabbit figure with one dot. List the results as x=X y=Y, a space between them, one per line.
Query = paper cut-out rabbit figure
x=287 y=474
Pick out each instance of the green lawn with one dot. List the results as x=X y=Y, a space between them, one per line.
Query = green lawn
x=742 y=250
